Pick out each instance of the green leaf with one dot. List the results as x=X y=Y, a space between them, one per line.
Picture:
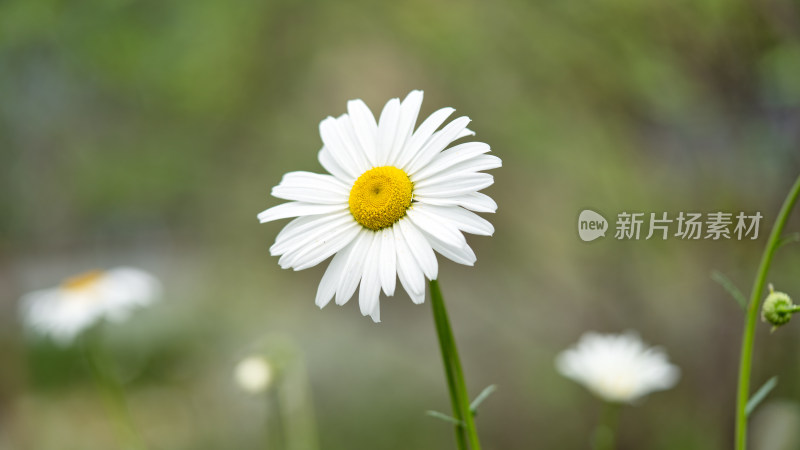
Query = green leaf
x=760 y=395
x=790 y=239
x=445 y=417
x=730 y=287
x=473 y=407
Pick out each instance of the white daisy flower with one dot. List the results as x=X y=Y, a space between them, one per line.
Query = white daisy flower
x=618 y=368
x=79 y=302
x=253 y=374
x=394 y=196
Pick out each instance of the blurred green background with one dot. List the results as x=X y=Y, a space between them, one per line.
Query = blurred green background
x=148 y=133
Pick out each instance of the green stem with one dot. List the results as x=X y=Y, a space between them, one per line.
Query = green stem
x=746 y=360
x=459 y=397
x=606 y=431
x=275 y=426
x=113 y=394
x=295 y=407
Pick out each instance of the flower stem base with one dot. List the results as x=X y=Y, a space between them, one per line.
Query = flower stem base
x=459 y=398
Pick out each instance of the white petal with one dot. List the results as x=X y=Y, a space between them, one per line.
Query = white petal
x=365 y=127
x=330 y=246
x=409 y=110
x=388 y=261
x=294 y=209
x=320 y=249
x=300 y=244
x=369 y=293
x=474 y=201
x=363 y=157
x=341 y=152
x=438 y=142
x=449 y=158
x=311 y=188
x=333 y=275
x=330 y=164
x=444 y=230
x=375 y=313
x=464 y=133
x=461 y=255
x=51 y=313
x=464 y=220
x=123 y=289
x=301 y=227
x=418 y=299
x=483 y=162
x=462 y=170
x=420 y=248
x=451 y=187
x=421 y=136
x=354 y=266
x=408 y=270
x=387 y=129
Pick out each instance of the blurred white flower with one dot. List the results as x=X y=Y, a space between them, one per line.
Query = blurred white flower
x=81 y=301
x=253 y=374
x=618 y=368
x=394 y=196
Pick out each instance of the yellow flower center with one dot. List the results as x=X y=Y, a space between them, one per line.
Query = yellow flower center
x=82 y=281
x=380 y=197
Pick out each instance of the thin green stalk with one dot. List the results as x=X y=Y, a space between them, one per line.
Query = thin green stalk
x=605 y=434
x=459 y=397
x=275 y=426
x=113 y=394
x=753 y=307
x=295 y=407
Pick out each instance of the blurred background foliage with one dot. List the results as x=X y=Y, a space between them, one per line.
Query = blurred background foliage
x=149 y=133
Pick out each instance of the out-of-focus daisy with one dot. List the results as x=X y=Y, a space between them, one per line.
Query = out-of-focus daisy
x=253 y=374
x=394 y=196
x=618 y=368
x=81 y=301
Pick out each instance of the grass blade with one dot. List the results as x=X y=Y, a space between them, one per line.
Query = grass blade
x=762 y=393
x=445 y=417
x=481 y=397
x=730 y=287
x=790 y=239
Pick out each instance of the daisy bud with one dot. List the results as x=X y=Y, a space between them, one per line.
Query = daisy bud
x=253 y=374
x=778 y=308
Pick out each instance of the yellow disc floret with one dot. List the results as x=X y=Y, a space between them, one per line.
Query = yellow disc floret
x=380 y=197
x=83 y=281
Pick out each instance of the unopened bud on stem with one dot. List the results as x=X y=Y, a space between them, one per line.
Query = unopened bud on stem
x=778 y=308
